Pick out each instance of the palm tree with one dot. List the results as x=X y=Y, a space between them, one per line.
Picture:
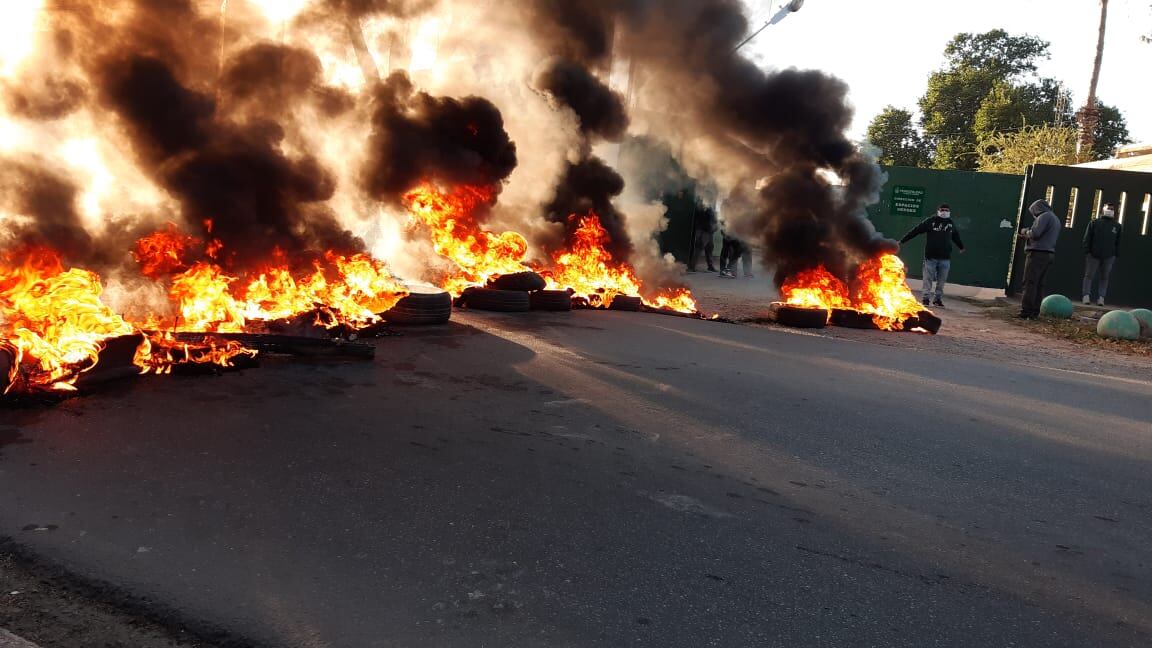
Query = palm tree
x=1089 y=114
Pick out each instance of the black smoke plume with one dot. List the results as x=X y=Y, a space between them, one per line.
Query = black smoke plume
x=420 y=138
x=786 y=126
x=257 y=198
x=589 y=186
x=600 y=110
x=44 y=203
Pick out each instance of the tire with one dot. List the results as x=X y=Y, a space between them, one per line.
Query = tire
x=551 y=300
x=926 y=320
x=525 y=281
x=421 y=309
x=500 y=301
x=797 y=317
x=848 y=318
x=626 y=303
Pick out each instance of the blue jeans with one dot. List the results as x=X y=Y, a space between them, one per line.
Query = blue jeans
x=1092 y=266
x=935 y=273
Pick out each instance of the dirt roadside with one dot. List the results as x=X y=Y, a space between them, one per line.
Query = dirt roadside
x=46 y=605
x=976 y=329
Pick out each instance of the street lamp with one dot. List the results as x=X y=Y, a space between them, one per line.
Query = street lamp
x=790 y=8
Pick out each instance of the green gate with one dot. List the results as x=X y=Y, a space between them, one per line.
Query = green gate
x=1076 y=195
x=984 y=206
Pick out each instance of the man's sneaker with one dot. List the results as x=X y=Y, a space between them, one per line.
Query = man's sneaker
x=938 y=303
x=1100 y=302
x=1087 y=300
x=1025 y=316
x=925 y=302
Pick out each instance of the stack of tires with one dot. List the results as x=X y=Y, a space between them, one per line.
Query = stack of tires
x=517 y=293
x=424 y=305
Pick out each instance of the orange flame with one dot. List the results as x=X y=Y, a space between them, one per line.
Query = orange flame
x=815 y=288
x=350 y=290
x=880 y=289
x=590 y=272
x=162 y=352
x=478 y=255
x=164 y=252
x=54 y=325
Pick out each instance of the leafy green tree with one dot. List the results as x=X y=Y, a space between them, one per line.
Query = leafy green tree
x=1111 y=132
x=997 y=52
x=986 y=89
x=895 y=134
x=978 y=66
x=1012 y=152
x=1010 y=107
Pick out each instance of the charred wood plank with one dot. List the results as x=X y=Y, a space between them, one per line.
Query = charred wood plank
x=289 y=345
x=644 y=308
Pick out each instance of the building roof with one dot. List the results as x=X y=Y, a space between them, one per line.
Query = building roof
x=1134 y=157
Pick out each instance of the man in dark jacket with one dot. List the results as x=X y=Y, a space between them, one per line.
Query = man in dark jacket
x=1040 y=252
x=941 y=234
x=704 y=230
x=1101 y=247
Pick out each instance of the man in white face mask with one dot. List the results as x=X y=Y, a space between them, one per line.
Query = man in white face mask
x=941 y=234
x=1101 y=247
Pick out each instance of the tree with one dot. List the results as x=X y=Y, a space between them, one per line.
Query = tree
x=895 y=134
x=1044 y=144
x=975 y=66
x=987 y=88
x=997 y=52
x=1089 y=115
x=1111 y=132
x=1011 y=107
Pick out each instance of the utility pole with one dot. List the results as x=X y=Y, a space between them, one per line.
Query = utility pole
x=1089 y=116
x=790 y=8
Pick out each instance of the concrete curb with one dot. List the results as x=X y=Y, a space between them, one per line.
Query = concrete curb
x=9 y=640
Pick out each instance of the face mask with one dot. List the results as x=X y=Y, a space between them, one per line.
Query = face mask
x=1108 y=213
x=944 y=213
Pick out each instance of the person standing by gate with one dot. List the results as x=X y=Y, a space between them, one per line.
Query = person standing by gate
x=941 y=234
x=1101 y=247
x=1040 y=251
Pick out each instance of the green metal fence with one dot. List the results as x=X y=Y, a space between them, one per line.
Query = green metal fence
x=985 y=207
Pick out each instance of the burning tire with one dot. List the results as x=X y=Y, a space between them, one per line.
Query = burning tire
x=925 y=321
x=551 y=300
x=501 y=301
x=798 y=317
x=524 y=281
x=626 y=303
x=421 y=308
x=848 y=318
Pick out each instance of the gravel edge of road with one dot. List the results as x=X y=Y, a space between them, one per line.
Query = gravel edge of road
x=9 y=640
x=56 y=607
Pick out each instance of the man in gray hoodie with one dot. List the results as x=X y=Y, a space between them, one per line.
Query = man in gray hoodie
x=1040 y=251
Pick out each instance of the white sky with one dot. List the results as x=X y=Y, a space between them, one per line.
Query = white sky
x=885 y=49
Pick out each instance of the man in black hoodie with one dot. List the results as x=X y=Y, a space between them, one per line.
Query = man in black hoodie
x=942 y=233
x=1101 y=247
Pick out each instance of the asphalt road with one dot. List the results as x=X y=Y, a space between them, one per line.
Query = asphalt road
x=608 y=479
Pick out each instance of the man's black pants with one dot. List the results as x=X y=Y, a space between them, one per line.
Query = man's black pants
x=1036 y=267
